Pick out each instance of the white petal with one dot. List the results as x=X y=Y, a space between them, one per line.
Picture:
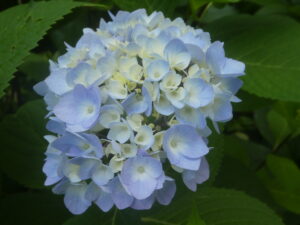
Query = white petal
x=177 y=54
x=135 y=121
x=170 y=82
x=176 y=97
x=158 y=140
x=116 y=90
x=115 y=164
x=157 y=69
x=119 y=131
x=108 y=115
x=144 y=137
x=71 y=171
x=129 y=150
x=153 y=89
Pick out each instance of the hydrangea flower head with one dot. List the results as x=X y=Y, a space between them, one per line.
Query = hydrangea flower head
x=131 y=99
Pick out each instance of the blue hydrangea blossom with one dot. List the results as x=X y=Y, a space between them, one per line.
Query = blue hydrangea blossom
x=130 y=100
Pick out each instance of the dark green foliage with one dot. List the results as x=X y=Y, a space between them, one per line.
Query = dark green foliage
x=33 y=209
x=255 y=176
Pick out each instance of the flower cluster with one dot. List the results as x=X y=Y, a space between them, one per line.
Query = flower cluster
x=130 y=97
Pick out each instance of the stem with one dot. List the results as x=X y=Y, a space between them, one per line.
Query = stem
x=204 y=10
x=113 y=221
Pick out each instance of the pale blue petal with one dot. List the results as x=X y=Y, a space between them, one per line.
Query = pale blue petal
x=142 y=189
x=61 y=187
x=184 y=146
x=233 y=68
x=86 y=168
x=196 y=53
x=105 y=201
x=105 y=68
x=160 y=181
x=84 y=145
x=56 y=126
x=91 y=41
x=135 y=104
x=102 y=174
x=177 y=54
x=79 y=75
x=57 y=83
x=201 y=40
x=51 y=180
x=191 y=116
x=163 y=106
x=51 y=100
x=223 y=111
x=165 y=195
x=192 y=178
x=148 y=101
x=220 y=110
x=141 y=184
x=198 y=92
x=143 y=204
x=215 y=57
x=231 y=84
x=41 y=88
x=52 y=169
x=75 y=200
x=92 y=192
x=119 y=195
x=95 y=148
x=79 y=108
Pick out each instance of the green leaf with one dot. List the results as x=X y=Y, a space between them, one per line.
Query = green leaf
x=21 y=27
x=233 y=174
x=269 y=45
x=166 y=6
x=216 y=206
x=94 y=216
x=273 y=9
x=282 y=178
x=213 y=13
x=215 y=156
x=261 y=121
x=250 y=102
x=268 y=2
x=194 y=218
x=291 y=112
x=279 y=127
x=197 y=4
x=33 y=209
x=278 y=122
x=249 y=153
x=22 y=135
